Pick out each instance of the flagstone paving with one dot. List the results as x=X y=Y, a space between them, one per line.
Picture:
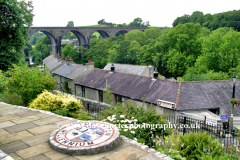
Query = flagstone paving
x=24 y=134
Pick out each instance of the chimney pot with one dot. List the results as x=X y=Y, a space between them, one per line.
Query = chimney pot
x=155 y=74
x=112 y=68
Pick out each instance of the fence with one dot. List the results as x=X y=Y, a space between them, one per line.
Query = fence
x=182 y=124
x=185 y=125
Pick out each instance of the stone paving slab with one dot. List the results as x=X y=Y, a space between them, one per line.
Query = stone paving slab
x=26 y=119
x=54 y=155
x=3 y=132
x=6 y=124
x=38 y=139
x=15 y=157
x=148 y=156
x=20 y=127
x=95 y=156
x=28 y=113
x=13 y=147
x=8 y=117
x=12 y=111
x=127 y=152
x=42 y=129
x=34 y=151
x=38 y=157
x=48 y=120
x=15 y=136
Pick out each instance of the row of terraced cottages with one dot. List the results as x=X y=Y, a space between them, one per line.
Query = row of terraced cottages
x=132 y=83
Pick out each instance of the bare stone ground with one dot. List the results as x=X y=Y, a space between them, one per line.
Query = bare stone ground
x=24 y=134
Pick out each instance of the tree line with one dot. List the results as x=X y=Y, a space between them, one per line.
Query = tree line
x=212 y=22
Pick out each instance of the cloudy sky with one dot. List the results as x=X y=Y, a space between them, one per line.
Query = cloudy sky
x=88 y=12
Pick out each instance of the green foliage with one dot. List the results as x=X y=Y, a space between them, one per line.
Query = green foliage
x=41 y=50
x=15 y=18
x=130 y=114
x=84 y=115
x=2 y=82
x=213 y=22
x=192 y=146
x=58 y=103
x=70 y=24
x=35 y=37
x=78 y=54
x=66 y=88
x=11 y=98
x=28 y=82
x=62 y=112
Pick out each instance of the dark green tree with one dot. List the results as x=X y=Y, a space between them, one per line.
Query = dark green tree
x=70 y=24
x=15 y=18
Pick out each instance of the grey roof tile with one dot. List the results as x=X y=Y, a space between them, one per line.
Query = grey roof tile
x=131 y=86
x=126 y=68
x=70 y=71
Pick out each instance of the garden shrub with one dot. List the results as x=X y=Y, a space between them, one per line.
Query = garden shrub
x=2 y=82
x=130 y=114
x=58 y=103
x=11 y=98
x=192 y=146
x=28 y=82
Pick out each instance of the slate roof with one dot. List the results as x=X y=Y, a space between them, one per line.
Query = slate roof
x=208 y=95
x=131 y=86
x=190 y=96
x=52 y=62
x=126 y=68
x=70 y=71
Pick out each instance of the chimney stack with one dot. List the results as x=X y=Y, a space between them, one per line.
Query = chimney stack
x=150 y=72
x=89 y=65
x=112 y=68
x=155 y=74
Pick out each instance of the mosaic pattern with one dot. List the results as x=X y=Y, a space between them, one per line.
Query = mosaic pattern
x=85 y=137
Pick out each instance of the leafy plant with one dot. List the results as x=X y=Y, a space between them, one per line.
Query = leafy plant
x=84 y=115
x=60 y=103
x=62 y=112
x=66 y=88
x=28 y=82
x=11 y=98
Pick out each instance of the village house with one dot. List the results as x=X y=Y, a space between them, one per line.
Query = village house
x=69 y=73
x=167 y=97
x=52 y=63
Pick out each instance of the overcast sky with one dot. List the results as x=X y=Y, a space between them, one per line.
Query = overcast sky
x=88 y=12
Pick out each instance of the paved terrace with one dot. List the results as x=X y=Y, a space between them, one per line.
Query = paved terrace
x=24 y=134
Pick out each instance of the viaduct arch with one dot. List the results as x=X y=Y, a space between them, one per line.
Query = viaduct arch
x=83 y=34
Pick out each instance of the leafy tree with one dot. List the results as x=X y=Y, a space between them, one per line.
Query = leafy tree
x=28 y=82
x=185 y=46
x=35 y=37
x=221 y=51
x=41 y=50
x=102 y=22
x=99 y=53
x=15 y=18
x=70 y=24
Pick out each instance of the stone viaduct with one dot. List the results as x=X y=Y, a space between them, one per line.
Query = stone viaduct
x=83 y=34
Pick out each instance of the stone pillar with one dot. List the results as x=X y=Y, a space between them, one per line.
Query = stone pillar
x=58 y=45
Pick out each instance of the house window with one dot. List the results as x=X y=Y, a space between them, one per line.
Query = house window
x=83 y=91
x=120 y=99
x=100 y=96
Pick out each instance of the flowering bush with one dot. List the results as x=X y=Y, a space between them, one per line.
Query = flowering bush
x=56 y=103
x=136 y=122
x=235 y=101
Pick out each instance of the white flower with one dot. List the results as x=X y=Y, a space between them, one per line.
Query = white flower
x=132 y=118
x=135 y=120
x=133 y=132
x=117 y=120
x=182 y=145
x=104 y=120
x=109 y=117
x=129 y=121
x=121 y=116
x=113 y=116
x=122 y=121
x=126 y=120
x=135 y=139
x=125 y=130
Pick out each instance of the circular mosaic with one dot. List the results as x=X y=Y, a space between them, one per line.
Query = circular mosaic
x=85 y=137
